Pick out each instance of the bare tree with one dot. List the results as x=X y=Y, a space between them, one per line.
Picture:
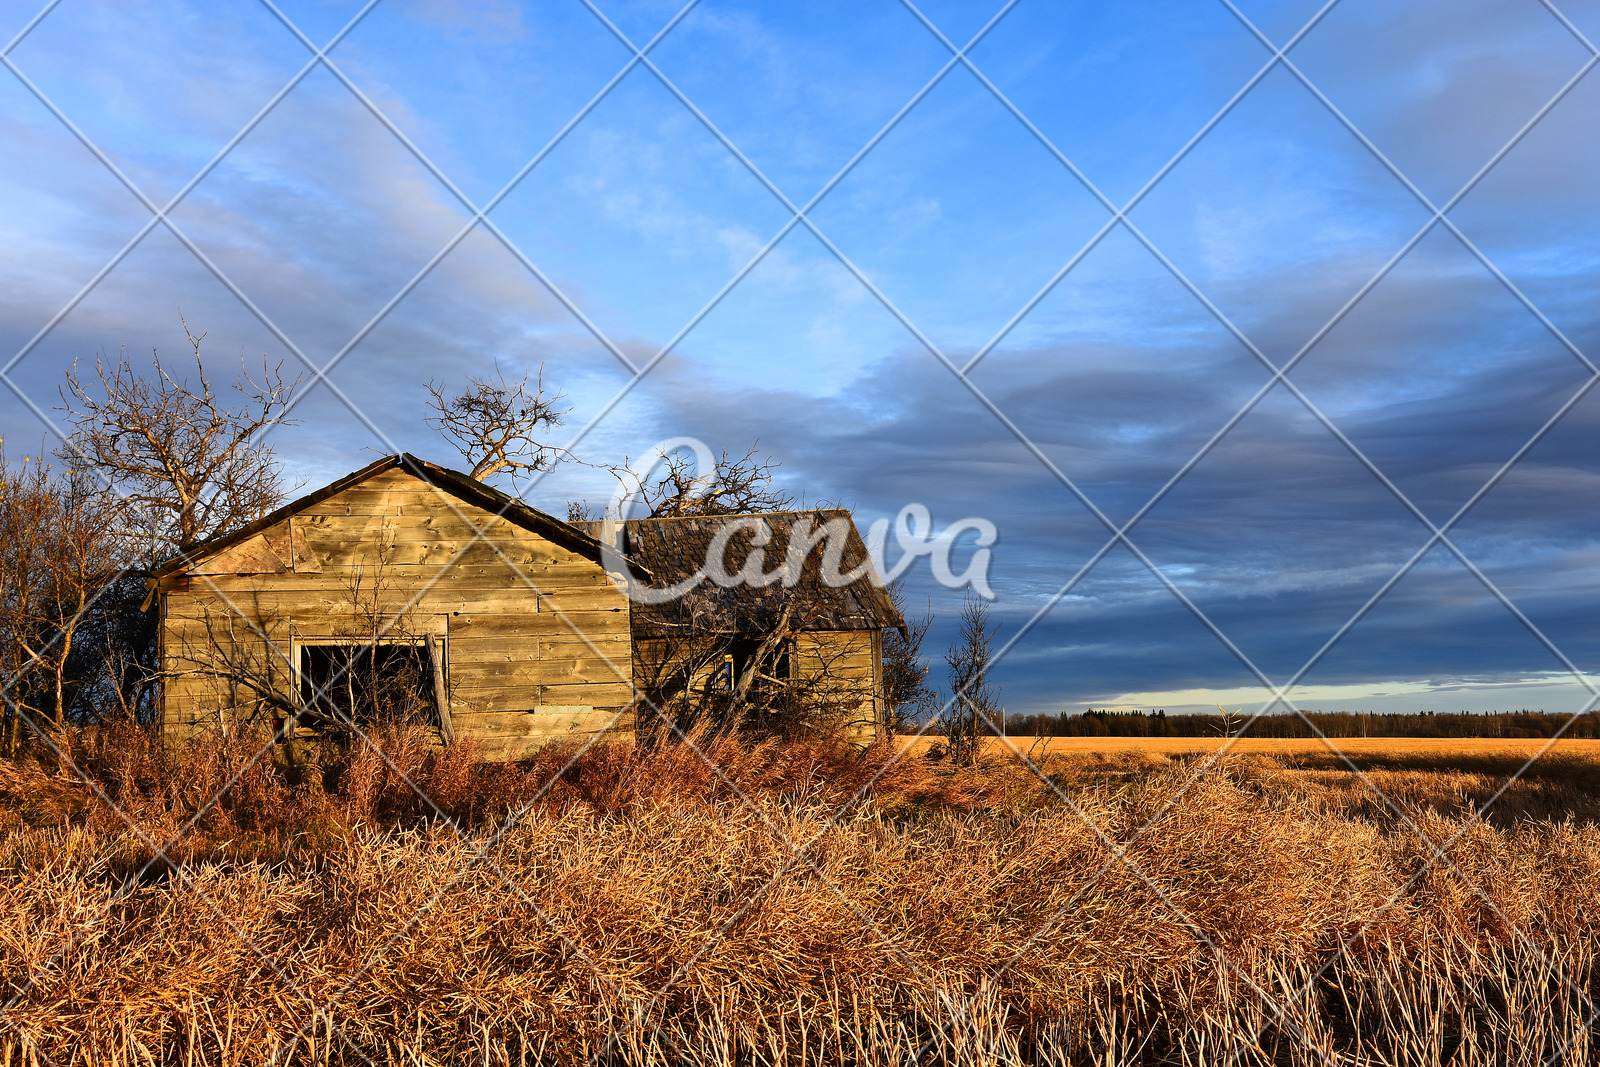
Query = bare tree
x=733 y=487
x=583 y=511
x=178 y=464
x=188 y=465
x=60 y=545
x=499 y=425
x=975 y=705
x=907 y=696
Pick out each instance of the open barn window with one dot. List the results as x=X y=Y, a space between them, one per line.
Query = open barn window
x=366 y=683
x=744 y=655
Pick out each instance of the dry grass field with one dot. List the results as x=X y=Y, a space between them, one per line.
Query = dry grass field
x=646 y=906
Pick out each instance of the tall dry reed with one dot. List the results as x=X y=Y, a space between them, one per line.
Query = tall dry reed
x=636 y=906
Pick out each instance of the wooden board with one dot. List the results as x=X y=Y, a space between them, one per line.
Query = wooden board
x=551 y=720
x=840 y=653
x=303 y=559
x=202 y=633
x=455 y=552
x=610 y=624
x=254 y=555
x=419 y=521
x=532 y=581
x=612 y=645
x=443 y=598
x=531 y=670
x=403 y=584
x=466 y=700
x=437 y=513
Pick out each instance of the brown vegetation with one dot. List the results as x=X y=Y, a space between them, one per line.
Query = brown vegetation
x=55 y=558
x=633 y=905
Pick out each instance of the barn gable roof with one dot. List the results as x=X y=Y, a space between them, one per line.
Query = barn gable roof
x=463 y=487
x=673 y=549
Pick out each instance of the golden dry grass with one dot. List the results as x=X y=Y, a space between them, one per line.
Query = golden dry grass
x=653 y=915
x=1441 y=747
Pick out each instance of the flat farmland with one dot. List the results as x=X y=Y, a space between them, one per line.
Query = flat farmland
x=1438 y=748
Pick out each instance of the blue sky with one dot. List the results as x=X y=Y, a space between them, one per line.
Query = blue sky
x=1271 y=238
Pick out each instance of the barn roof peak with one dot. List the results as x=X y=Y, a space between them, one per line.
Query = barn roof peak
x=463 y=487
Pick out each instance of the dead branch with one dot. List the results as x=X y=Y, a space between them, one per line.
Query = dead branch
x=734 y=487
x=498 y=425
x=975 y=704
x=59 y=548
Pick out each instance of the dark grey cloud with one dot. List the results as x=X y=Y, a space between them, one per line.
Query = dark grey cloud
x=1279 y=535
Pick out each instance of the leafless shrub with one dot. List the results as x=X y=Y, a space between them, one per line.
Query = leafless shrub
x=974 y=703
x=155 y=464
x=748 y=666
x=61 y=543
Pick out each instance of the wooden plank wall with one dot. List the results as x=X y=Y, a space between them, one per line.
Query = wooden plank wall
x=847 y=663
x=536 y=636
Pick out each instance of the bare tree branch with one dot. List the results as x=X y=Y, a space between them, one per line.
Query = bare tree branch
x=974 y=702
x=188 y=465
x=734 y=487
x=497 y=425
x=60 y=544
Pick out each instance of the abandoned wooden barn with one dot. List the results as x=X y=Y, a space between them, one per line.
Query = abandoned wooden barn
x=375 y=596
x=407 y=591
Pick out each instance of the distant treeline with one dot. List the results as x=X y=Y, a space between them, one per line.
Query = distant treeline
x=1284 y=724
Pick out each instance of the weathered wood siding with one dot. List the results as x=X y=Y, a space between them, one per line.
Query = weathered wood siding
x=843 y=667
x=536 y=638
x=849 y=663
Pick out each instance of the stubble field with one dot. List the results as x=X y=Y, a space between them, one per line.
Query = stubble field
x=1442 y=748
